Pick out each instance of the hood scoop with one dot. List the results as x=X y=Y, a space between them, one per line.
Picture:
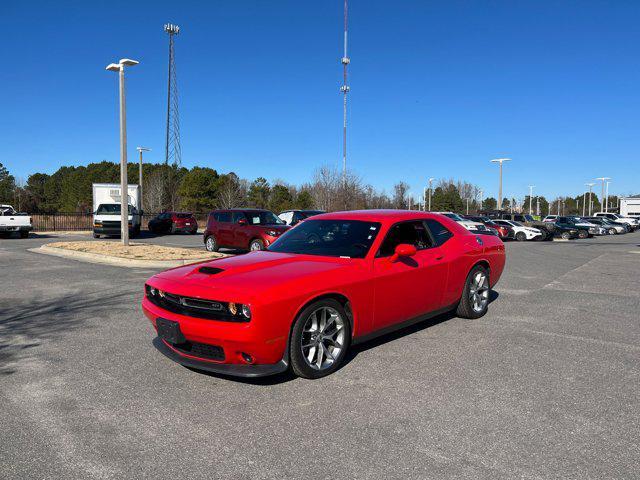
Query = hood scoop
x=210 y=270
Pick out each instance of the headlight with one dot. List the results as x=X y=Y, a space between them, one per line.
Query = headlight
x=240 y=309
x=246 y=311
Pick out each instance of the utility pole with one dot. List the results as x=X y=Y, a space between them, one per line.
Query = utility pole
x=590 y=185
x=602 y=200
x=141 y=149
x=345 y=90
x=467 y=205
x=430 y=191
x=500 y=161
x=173 y=150
x=124 y=183
x=530 y=198
x=584 y=203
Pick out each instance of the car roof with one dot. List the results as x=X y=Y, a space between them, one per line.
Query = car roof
x=391 y=216
x=240 y=210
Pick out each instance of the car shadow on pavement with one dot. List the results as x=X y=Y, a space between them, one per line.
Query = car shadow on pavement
x=26 y=325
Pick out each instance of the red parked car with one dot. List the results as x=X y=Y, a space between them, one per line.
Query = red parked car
x=174 y=222
x=334 y=280
x=245 y=229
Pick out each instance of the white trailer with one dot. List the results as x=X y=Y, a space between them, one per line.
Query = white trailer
x=630 y=206
x=107 y=199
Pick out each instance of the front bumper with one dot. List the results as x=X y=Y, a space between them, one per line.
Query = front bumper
x=231 y=369
x=266 y=345
x=109 y=230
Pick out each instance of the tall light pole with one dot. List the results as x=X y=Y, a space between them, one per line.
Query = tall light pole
x=481 y=199
x=538 y=206
x=590 y=185
x=141 y=149
x=430 y=191
x=530 y=198
x=606 y=198
x=603 y=180
x=124 y=184
x=500 y=161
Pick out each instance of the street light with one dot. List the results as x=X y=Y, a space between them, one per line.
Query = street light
x=481 y=199
x=141 y=149
x=606 y=198
x=124 y=184
x=500 y=161
x=530 y=198
x=603 y=179
x=430 y=191
x=590 y=185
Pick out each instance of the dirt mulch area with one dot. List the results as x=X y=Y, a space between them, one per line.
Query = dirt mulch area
x=136 y=251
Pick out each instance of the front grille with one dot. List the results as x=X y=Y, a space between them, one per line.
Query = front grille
x=111 y=224
x=193 y=307
x=201 y=350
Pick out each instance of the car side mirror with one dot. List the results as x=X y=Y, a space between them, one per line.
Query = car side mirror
x=403 y=250
x=242 y=221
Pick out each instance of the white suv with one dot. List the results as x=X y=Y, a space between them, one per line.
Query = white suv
x=521 y=232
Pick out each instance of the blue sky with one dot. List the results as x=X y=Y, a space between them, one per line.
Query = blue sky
x=437 y=88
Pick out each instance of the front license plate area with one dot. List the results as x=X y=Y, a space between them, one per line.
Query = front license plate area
x=169 y=331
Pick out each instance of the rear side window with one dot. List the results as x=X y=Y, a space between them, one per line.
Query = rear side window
x=439 y=232
x=237 y=216
x=222 y=217
x=412 y=233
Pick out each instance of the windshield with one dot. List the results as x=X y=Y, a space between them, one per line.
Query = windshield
x=329 y=238
x=516 y=224
x=110 y=209
x=184 y=215
x=309 y=213
x=454 y=216
x=263 y=218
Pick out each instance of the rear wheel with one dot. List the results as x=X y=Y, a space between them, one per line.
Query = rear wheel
x=566 y=235
x=96 y=235
x=475 y=295
x=612 y=231
x=24 y=234
x=256 y=245
x=583 y=234
x=211 y=244
x=521 y=236
x=319 y=340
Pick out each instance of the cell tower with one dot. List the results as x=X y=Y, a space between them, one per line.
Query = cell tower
x=173 y=151
x=345 y=90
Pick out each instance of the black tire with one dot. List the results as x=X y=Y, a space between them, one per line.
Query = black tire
x=583 y=234
x=613 y=231
x=566 y=235
x=194 y=231
x=256 y=245
x=521 y=236
x=465 y=308
x=96 y=235
x=299 y=365
x=135 y=232
x=173 y=229
x=24 y=234
x=211 y=244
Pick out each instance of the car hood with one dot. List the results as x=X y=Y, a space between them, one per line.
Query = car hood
x=246 y=278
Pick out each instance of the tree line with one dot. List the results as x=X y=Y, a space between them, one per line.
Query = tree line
x=201 y=189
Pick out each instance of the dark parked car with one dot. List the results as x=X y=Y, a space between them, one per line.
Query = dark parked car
x=245 y=229
x=502 y=231
x=173 y=222
x=583 y=231
x=292 y=217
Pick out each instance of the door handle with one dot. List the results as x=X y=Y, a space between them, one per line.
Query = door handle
x=439 y=257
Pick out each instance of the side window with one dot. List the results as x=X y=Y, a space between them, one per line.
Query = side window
x=439 y=232
x=237 y=216
x=519 y=218
x=413 y=233
x=223 y=217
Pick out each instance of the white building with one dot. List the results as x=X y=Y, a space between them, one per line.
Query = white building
x=630 y=206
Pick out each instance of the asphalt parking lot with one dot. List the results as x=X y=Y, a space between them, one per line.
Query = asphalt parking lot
x=546 y=385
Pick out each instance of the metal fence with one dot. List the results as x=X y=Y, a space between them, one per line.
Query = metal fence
x=73 y=222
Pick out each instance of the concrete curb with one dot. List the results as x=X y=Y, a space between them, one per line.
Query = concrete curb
x=115 y=261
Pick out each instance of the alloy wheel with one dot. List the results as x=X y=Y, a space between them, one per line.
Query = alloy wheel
x=479 y=291
x=323 y=338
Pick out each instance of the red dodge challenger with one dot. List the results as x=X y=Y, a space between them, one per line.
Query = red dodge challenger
x=334 y=280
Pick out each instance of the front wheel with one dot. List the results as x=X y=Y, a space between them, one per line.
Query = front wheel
x=612 y=231
x=583 y=234
x=256 y=245
x=475 y=295
x=566 y=235
x=319 y=340
x=521 y=236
